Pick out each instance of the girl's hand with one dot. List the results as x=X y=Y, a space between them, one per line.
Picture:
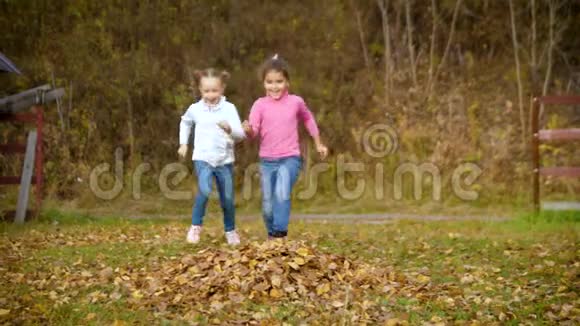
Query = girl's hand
x=322 y=150
x=182 y=151
x=247 y=127
x=225 y=126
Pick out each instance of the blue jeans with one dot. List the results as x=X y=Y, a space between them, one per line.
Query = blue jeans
x=224 y=176
x=278 y=177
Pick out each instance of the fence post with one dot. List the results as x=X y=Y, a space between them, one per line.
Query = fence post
x=26 y=177
x=39 y=156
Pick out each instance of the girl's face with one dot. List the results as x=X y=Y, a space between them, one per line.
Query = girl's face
x=211 y=89
x=275 y=84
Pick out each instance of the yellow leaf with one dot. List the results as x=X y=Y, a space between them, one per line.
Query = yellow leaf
x=393 y=322
x=423 y=278
x=436 y=319
x=137 y=294
x=91 y=316
x=346 y=265
x=321 y=289
x=177 y=298
x=453 y=235
x=299 y=261
x=302 y=252
x=294 y=265
x=502 y=316
x=181 y=279
x=276 y=281
x=4 y=312
x=274 y=293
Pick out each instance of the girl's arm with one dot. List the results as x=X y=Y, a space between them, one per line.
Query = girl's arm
x=307 y=118
x=305 y=115
x=236 y=125
x=252 y=127
x=187 y=121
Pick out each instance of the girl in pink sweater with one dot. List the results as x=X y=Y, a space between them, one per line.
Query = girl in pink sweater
x=274 y=119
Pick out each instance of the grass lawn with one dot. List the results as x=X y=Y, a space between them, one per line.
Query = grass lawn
x=71 y=270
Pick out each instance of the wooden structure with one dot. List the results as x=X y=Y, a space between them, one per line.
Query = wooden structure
x=27 y=107
x=548 y=135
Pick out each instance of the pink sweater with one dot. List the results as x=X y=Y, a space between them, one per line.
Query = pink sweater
x=276 y=122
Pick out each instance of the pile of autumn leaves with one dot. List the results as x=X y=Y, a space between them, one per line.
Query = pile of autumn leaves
x=256 y=283
x=216 y=281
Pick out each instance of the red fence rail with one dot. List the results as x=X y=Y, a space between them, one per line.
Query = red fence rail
x=544 y=135
x=36 y=117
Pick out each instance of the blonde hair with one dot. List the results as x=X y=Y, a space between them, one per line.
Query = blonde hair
x=223 y=76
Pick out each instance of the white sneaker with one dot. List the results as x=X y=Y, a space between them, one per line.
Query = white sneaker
x=233 y=238
x=193 y=234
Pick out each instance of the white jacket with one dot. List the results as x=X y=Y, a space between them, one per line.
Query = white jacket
x=211 y=143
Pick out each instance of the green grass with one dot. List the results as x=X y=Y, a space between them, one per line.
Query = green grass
x=490 y=263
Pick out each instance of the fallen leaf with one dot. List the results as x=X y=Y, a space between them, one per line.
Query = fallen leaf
x=337 y=304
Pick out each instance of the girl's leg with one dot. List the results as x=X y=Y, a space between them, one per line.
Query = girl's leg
x=225 y=184
x=268 y=171
x=287 y=175
x=204 y=184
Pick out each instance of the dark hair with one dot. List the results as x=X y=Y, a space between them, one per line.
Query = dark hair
x=223 y=75
x=274 y=63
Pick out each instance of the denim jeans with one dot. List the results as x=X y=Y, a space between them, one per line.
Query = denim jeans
x=224 y=176
x=278 y=177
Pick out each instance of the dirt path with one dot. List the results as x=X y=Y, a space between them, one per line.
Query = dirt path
x=357 y=218
x=386 y=218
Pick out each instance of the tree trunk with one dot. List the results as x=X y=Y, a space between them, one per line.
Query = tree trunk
x=449 y=39
x=519 y=78
x=550 y=50
x=59 y=106
x=432 y=47
x=410 y=42
x=130 y=130
x=534 y=78
x=361 y=36
x=384 y=6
